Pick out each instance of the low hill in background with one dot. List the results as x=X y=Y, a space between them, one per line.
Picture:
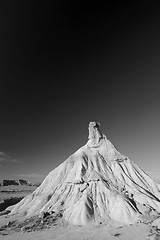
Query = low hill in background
x=13 y=182
x=12 y=191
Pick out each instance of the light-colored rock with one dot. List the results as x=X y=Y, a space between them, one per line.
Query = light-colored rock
x=156 y=223
x=96 y=183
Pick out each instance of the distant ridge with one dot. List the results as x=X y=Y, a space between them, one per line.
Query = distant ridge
x=13 y=182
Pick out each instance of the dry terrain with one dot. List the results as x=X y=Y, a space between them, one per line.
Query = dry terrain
x=56 y=228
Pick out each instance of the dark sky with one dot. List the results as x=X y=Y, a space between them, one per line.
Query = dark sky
x=64 y=64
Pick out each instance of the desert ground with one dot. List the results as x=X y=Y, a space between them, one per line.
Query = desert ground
x=56 y=228
x=59 y=230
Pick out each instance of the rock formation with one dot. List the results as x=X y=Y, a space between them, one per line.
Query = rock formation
x=96 y=183
x=12 y=182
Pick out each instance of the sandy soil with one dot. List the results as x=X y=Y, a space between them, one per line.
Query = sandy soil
x=61 y=230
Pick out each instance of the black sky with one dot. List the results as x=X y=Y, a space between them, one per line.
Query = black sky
x=63 y=64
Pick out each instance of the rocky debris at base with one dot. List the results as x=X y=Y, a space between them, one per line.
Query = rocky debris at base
x=154 y=234
x=32 y=224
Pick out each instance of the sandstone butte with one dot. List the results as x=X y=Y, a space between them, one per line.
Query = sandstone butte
x=95 y=184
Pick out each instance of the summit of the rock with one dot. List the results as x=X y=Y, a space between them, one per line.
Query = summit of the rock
x=98 y=143
x=95 y=135
x=95 y=183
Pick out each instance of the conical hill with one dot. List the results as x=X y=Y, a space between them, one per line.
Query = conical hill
x=96 y=183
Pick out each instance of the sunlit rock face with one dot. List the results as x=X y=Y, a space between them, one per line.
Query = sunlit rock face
x=95 y=184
